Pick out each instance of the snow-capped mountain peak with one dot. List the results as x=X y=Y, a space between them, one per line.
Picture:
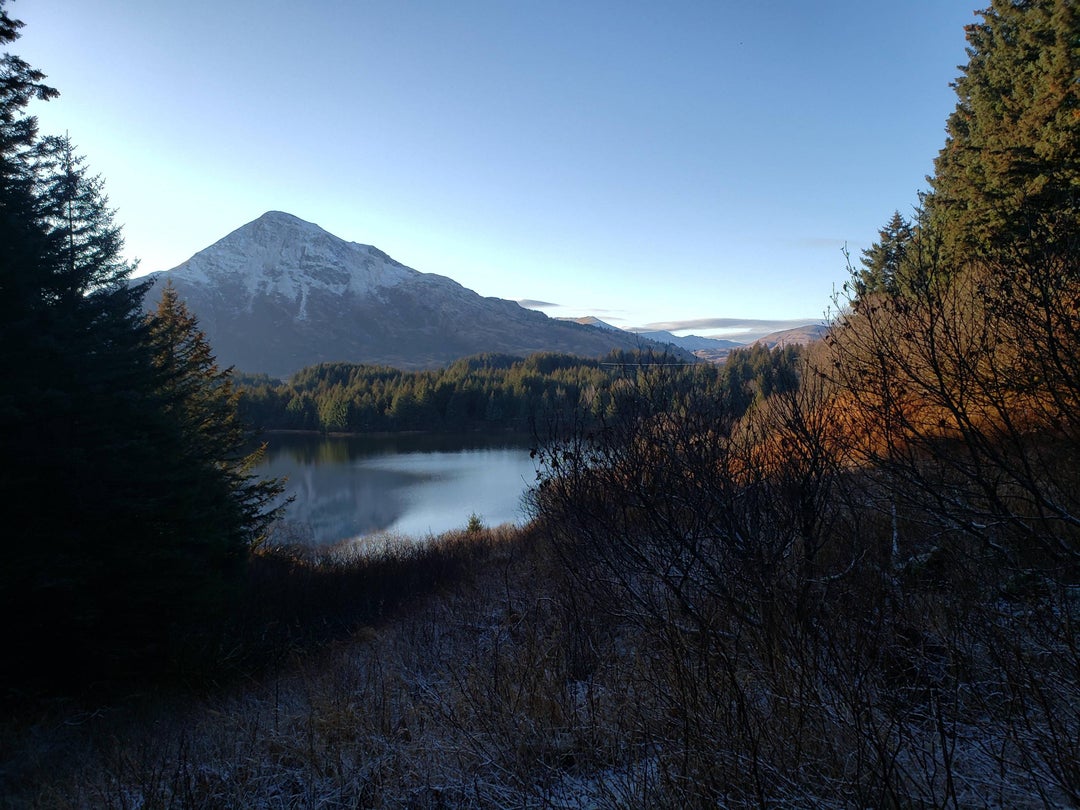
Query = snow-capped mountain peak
x=279 y=254
x=279 y=294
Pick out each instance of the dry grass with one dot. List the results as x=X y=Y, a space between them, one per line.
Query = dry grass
x=465 y=698
x=512 y=681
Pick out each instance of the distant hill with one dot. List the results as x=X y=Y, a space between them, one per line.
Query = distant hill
x=589 y=320
x=692 y=343
x=799 y=335
x=716 y=350
x=280 y=294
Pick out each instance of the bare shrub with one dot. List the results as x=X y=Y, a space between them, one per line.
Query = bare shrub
x=814 y=618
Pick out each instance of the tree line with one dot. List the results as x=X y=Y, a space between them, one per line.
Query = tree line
x=495 y=392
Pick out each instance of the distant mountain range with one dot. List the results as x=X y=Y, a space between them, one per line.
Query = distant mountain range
x=716 y=349
x=692 y=342
x=280 y=294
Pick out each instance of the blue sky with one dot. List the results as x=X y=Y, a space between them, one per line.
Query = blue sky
x=648 y=163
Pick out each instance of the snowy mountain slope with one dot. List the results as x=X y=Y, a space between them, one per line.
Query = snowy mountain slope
x=281 y=255
x=279 y=294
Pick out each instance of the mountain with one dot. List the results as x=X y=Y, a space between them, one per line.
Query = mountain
x=592 y=320
x=799 y=335
x=279 y=294
x=716 y=350
x=692 y=343
x=712 y=350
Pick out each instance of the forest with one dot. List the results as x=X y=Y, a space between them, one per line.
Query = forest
x=495 y=392
x=844 y=577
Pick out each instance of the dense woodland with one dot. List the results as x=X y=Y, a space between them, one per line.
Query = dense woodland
x=496 y=392
x=847 y=577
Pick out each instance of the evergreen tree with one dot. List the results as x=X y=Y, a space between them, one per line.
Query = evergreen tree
x=201 y=399
x=882 y=262
x=1010 y=167
x=19 y=85
x=80 y=429
x=23 y=242
x=129 y=509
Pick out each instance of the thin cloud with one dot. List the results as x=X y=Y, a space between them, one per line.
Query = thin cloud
x=727 y=324
x=606 y=315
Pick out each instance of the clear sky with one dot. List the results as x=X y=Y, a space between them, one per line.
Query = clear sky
x=677 y=164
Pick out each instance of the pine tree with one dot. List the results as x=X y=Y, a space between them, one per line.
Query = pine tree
x=19 y=85
x=129 y=508
x=22 y=239
x=70 y=355
x=83 y=433
x=201 y=398
x=1010 y=167
x=883 y=262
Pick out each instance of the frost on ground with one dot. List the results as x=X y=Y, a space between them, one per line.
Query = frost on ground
x=502 y=691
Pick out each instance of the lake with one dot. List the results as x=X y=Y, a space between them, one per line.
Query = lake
x=415 y=485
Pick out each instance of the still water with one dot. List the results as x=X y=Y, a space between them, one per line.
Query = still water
x=347 y=487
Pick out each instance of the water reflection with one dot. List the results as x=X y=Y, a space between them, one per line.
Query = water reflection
x=415 y=485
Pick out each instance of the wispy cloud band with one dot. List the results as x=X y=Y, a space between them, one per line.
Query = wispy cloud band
x=728 y=324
